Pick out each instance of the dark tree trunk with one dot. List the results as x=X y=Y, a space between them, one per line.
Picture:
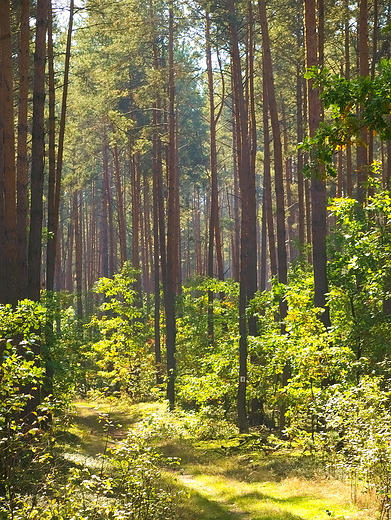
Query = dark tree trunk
x=22 y=155
x=248 y=242
x=267 y=181
x=8 y=173
x=37 y=154
x=121 y=209
x=318 y=184
x=172 y=224
x=78 y=254
x=104 y=231
x=279 y=179
x=363 y=57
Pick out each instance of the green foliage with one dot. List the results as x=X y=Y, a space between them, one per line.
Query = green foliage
x=359 y=273
x=360 y=415
x=23 y=322
x=120 y=358
x=351 y=105
x=25 y=436
x=207 y=373
x=310 y=352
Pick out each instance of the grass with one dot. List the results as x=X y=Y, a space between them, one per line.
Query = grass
x=219 y=482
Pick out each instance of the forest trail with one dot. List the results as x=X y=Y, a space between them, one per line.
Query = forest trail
x=224 y=485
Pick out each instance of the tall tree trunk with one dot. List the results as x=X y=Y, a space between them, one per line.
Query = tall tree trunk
x=8 y=172
x=248 y=246
x=267 y=182
x=214 y=226
x=268 y=77
x=104 y=225
x=37 y=154
x=157 y=202
x=172 y=223
x=55 y=184
x=121 y=209
x=349 y=179
x=363 y=57
x=51 y=152
x=318 y=184
x=78 y=254
x=136 y=213
x=3 y=292
x=22 y=154
x=263 y=244
x=300 y=161
x=288 y=190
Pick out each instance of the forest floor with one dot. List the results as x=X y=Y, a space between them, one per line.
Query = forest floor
x=220 y=480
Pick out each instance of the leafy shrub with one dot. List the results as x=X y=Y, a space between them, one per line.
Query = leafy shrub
x=358 y=435
x=119 y=357
x=129 y=486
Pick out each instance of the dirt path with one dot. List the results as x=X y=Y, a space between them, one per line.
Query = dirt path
x=219 y=486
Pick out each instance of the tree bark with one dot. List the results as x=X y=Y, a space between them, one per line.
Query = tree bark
x=172 y=223
x=8 y=173
x=78 y=254
x=363 y=57
x=121 y=209
x=248 y=241
x=318 y=185
x=282 y=268
x=37 y=154
x=22 y=154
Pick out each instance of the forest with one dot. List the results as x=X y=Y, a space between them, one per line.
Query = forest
x=195 y=259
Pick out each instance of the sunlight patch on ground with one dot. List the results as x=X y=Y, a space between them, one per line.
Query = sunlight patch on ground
x=292 y=499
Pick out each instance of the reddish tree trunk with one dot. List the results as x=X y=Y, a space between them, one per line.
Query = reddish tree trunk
x=22 y=155
x=8 y=172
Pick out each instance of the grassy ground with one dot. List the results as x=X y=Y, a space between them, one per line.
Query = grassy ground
x=216 y=481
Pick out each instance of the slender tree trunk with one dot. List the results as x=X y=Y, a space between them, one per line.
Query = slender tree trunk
x=349 y=179
x=248 y=246
x=214 y=226
x=300 y=162
x=172 y=224
x=104 y=231
x=121 y=209
x=279 y=179
x=50 y=250
x=136 y=213
x=318 y=185
x=78 y=254
x=268 y=183
x=363 y=56
x=288 y=181
x=22 y=154
x=55 y=185
x=263 y=242
x=158 y=201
